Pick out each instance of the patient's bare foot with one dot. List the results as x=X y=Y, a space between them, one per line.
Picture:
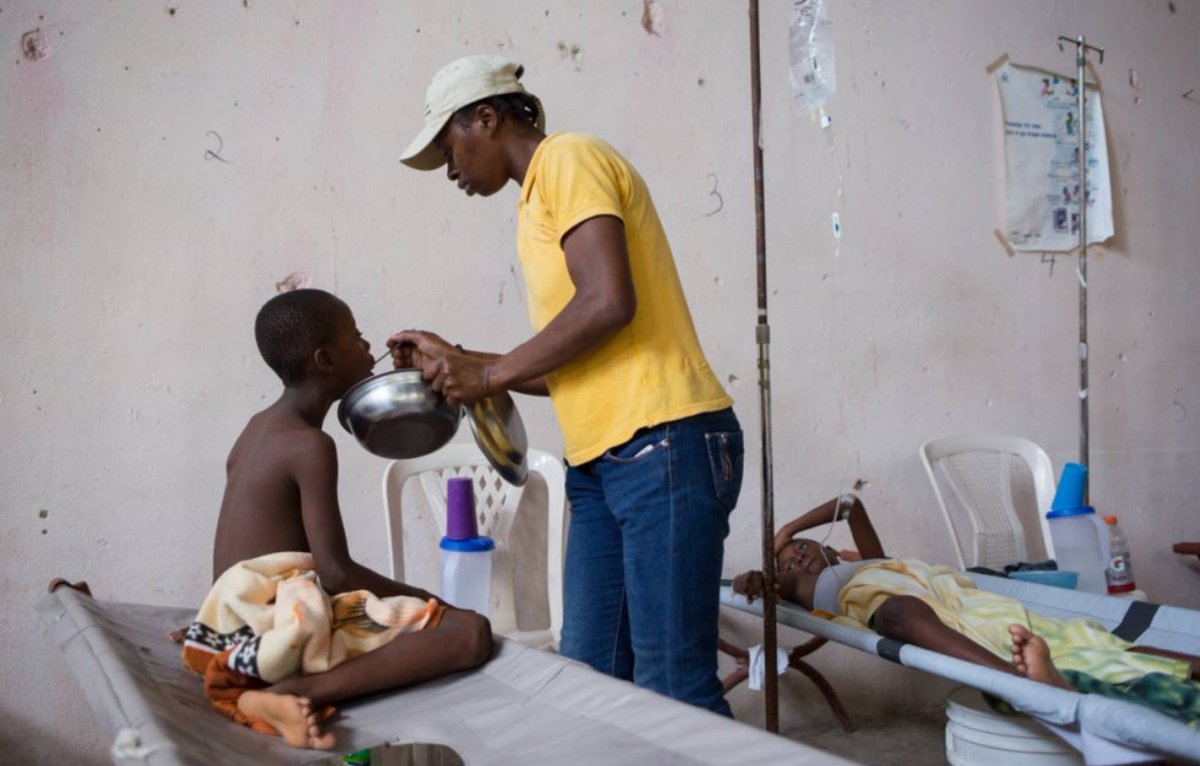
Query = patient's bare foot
x=291 y=715
x=1031 y=657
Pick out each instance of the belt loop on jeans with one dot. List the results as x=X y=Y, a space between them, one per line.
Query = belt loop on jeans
x=589 y=468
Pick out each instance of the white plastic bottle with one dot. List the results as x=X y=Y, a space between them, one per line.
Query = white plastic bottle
x=1119 y=574
x=1080 y=537
x=1081 y=545
x=466 y=555
x=467 y=573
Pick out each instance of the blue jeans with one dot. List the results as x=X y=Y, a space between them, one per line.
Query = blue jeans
x=643 y=564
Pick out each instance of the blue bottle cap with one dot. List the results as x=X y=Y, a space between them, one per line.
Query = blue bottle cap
x=470 y=545
x=1060 y=513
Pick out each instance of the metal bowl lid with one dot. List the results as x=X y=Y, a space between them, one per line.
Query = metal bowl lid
x=500 y=434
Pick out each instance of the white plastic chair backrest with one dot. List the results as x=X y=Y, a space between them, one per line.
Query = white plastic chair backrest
x=496 y=505
x=978 y=469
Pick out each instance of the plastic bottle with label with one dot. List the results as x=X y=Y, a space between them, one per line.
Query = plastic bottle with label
x=1119 y=574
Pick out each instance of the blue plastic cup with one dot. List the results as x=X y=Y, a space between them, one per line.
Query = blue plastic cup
x=1070 y=487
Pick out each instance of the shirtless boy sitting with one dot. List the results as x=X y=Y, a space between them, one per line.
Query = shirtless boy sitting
x=281 y=498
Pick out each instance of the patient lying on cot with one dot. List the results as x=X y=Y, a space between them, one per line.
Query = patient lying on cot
x=939 y=609
x=275 y=649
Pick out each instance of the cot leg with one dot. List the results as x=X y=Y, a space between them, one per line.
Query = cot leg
x=827 y=691
x=737 y=652
x=741 y=673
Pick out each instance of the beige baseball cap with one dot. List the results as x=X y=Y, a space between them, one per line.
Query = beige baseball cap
x=459 y=83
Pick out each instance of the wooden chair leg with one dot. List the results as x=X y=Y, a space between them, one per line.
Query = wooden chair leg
x=1187 y=549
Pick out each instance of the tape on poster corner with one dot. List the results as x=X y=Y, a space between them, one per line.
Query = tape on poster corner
x=992 y=67
x=1004 y=242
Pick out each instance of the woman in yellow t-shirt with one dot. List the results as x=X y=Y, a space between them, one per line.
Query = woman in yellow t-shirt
x=654 y=450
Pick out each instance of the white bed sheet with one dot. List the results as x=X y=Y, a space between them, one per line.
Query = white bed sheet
x=523 y=707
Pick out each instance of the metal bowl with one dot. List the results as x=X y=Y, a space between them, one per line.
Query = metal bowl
x=397 y=415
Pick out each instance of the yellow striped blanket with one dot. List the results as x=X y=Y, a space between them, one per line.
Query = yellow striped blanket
x=1077 y=644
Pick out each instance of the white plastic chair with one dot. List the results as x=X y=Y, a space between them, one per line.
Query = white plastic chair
x=496 y=505
x=977 y=468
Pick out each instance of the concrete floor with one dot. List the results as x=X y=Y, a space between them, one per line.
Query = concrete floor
x=887 y=730
x=908 y=739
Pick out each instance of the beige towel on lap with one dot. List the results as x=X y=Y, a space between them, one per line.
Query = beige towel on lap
x=278 y=621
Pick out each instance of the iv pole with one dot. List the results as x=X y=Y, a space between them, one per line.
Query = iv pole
x=763 y=337
x=1081 y=49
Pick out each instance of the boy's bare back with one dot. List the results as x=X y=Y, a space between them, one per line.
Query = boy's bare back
x=282 y=473
x=261 y=511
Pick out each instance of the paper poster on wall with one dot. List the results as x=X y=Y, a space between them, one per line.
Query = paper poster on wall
x=1041 y=126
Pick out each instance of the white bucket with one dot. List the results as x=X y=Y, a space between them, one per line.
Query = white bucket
x=976 y=735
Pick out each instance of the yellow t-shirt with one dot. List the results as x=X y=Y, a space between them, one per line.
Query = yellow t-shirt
x=653 y=371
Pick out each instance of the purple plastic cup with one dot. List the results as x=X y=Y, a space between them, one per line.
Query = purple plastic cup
x=460 y=509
